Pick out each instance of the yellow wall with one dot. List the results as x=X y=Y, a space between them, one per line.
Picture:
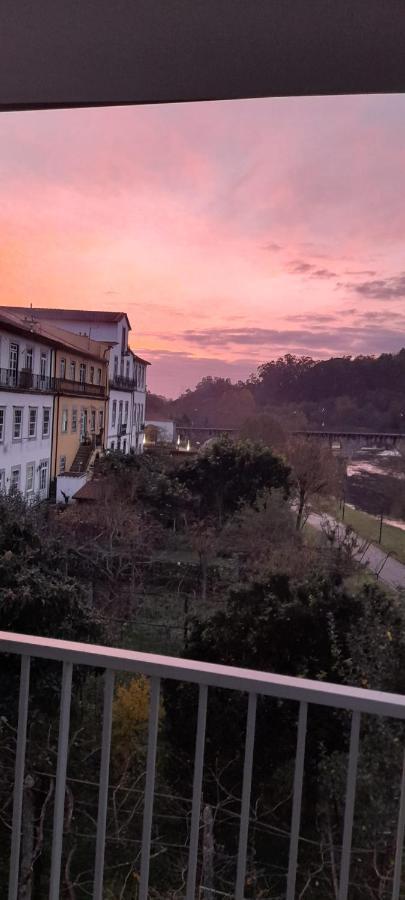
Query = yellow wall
x=69 y=403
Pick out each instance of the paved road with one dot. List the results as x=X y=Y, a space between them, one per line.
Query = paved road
x=391 y=572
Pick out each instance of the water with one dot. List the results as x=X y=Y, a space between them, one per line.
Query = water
x=375 y=483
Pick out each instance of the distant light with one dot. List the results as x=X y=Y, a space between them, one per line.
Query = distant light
x=178 y=440
x=188 y=446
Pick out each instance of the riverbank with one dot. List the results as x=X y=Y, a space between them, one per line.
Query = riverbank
x=368 y=526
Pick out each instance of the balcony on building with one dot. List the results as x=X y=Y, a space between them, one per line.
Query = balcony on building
x=88 y=388
x=122 y=383
x=26 y=380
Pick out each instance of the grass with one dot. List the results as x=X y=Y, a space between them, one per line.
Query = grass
x=368 y=527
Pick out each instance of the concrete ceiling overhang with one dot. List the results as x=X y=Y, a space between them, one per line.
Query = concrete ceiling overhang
x=57 y=53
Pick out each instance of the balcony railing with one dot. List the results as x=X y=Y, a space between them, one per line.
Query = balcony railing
x=121 y=382
x=66 y=386
x=25 y=380
x=356 y=701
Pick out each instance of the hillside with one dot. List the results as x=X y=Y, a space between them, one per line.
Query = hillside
x=362 y=393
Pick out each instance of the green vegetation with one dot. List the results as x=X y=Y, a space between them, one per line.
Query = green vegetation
x=199 y=558
x=368 y=527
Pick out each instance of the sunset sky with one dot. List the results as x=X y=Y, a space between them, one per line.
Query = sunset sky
x=230 y=232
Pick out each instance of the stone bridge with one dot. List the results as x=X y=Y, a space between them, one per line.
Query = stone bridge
x=348 y=442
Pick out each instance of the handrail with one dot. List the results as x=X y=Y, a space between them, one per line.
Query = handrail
x=270 y=684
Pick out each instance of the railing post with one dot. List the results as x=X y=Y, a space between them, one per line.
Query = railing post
x=297 y=795
x=60 y=787
x=104 y=778
x=245 y=805
x=19 y=778
x=349 y=808
x=196 y=806
x=400 y=839
x=149 y=786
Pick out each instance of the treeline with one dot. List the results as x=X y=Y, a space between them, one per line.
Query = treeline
x=362 y=393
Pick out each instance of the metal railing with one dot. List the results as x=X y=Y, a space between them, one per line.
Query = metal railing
x=123 y=383
x=25 y=380
x=206 y=675
x=66 y=386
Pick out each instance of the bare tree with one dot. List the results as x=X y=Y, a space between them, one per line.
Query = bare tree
x=315 y=472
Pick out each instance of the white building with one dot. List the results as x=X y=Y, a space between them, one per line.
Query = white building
x=26 y=409
x=160 y=430
x=127 y=372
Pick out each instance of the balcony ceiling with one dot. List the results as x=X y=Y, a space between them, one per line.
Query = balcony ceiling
x=57 y=53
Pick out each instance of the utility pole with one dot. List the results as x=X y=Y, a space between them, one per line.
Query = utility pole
x=381 y=525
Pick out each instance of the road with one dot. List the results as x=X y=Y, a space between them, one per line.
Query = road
x=390 y=571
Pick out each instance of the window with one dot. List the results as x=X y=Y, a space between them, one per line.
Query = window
x=82 y=373
x=17 y=423
x=127 y=369
x=13 y=363
x=93 y=420
x=63 y=368
x=114 y=413
x=115 y=366
x=15 y=479
x=62 y=465
x=124 y=446
x=72 y=370
x=64 y=421
x=123 y=340
x=91 y=374
x=43 y=365
x=126 y=411
x=100 y=419
x=43 y=475
x=2 y=481
x=2 y=423
x=74 y=420
x=83 y=422
x=46 y=421
x=30 y=478
x=29 y=358
x=32 y=422
x=112 y=445
x=98 y=376
x=120 y=405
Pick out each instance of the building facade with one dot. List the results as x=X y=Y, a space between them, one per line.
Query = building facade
x=127 y=371
x=27 y=391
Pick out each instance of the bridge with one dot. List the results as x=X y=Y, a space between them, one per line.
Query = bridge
x=347 y=442
x=199 y=434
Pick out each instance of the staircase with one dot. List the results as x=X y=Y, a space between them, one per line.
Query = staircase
x=82 y=459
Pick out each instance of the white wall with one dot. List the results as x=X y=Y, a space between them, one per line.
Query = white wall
x=167 y=430
x=68 y=485
x=21 y=453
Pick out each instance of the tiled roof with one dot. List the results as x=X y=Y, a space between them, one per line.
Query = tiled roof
x=69 y=315
x=48 y=333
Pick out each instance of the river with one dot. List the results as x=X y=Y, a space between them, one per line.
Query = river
x=375 y=482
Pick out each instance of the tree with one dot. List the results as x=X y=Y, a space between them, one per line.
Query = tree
x=315 y=472
x=314 y=629
x=266 y=429
x=226 y=474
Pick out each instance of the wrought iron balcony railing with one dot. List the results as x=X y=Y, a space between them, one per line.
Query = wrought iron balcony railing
x=206 y=676
x=66 y=386
x=25 y=380
x=121 y=382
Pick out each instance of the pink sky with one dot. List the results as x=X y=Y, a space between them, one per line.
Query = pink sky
x=230 y=232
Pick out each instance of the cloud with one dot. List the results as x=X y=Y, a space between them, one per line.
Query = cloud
x=323 y=273
x=357 y=338
x=370 y=272
x=300 y=267
x=272 y=247
x=392 y=288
